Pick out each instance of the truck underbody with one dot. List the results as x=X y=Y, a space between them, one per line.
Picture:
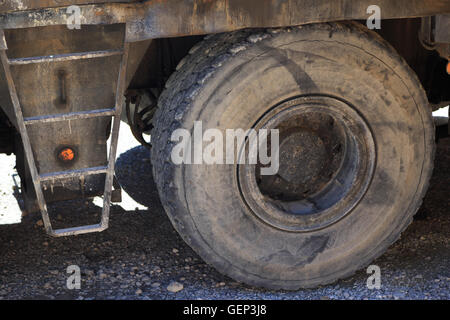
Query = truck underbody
x=61 y=88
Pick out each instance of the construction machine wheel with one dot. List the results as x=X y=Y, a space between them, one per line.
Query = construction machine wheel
x=356 y=145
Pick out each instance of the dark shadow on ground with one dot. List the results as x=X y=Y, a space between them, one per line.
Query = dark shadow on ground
x=134 y=172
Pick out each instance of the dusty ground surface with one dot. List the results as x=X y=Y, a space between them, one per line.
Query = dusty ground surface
x=141 y=254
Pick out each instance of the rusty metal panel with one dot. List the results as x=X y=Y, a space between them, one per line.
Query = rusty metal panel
x=87 y=137
x=53 y=40
x=88 y=84
x=49 y=85
x=90 y=15
x=178 y=17
x=64 y=87
x=16 y=5
x=153 y=19
x=50 y=88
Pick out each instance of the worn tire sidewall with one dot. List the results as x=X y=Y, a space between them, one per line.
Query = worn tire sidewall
x=367 y=75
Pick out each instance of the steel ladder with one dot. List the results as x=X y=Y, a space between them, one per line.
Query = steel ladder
x=22 y=124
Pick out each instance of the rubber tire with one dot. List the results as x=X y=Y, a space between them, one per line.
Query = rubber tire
x=228 y=81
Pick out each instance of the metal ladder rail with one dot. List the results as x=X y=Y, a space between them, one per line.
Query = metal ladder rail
x=21 y=124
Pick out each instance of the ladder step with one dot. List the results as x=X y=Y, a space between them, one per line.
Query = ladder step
x=66 y=57
x=70 y=116
x=72 y=173
x=78 y=230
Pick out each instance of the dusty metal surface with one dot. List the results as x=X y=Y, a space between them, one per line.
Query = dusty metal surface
x=202 y=17
x=170 y=18
x=435 y=34
x=14 y=5
x=72 y=98
x=442 y=35
x=39 y=136
x=442 y=28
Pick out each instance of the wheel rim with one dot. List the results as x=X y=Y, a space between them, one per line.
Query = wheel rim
x=326 y=162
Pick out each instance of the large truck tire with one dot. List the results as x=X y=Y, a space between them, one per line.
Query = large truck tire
x=356 y=152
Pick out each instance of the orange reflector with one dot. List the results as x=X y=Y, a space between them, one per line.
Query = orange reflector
x=66 y=154
x=448 y=67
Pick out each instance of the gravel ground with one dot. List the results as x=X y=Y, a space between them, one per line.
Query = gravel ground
x=142 y=257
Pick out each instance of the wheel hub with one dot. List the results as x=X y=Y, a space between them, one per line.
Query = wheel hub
x=326 y=159
x=302 y=157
